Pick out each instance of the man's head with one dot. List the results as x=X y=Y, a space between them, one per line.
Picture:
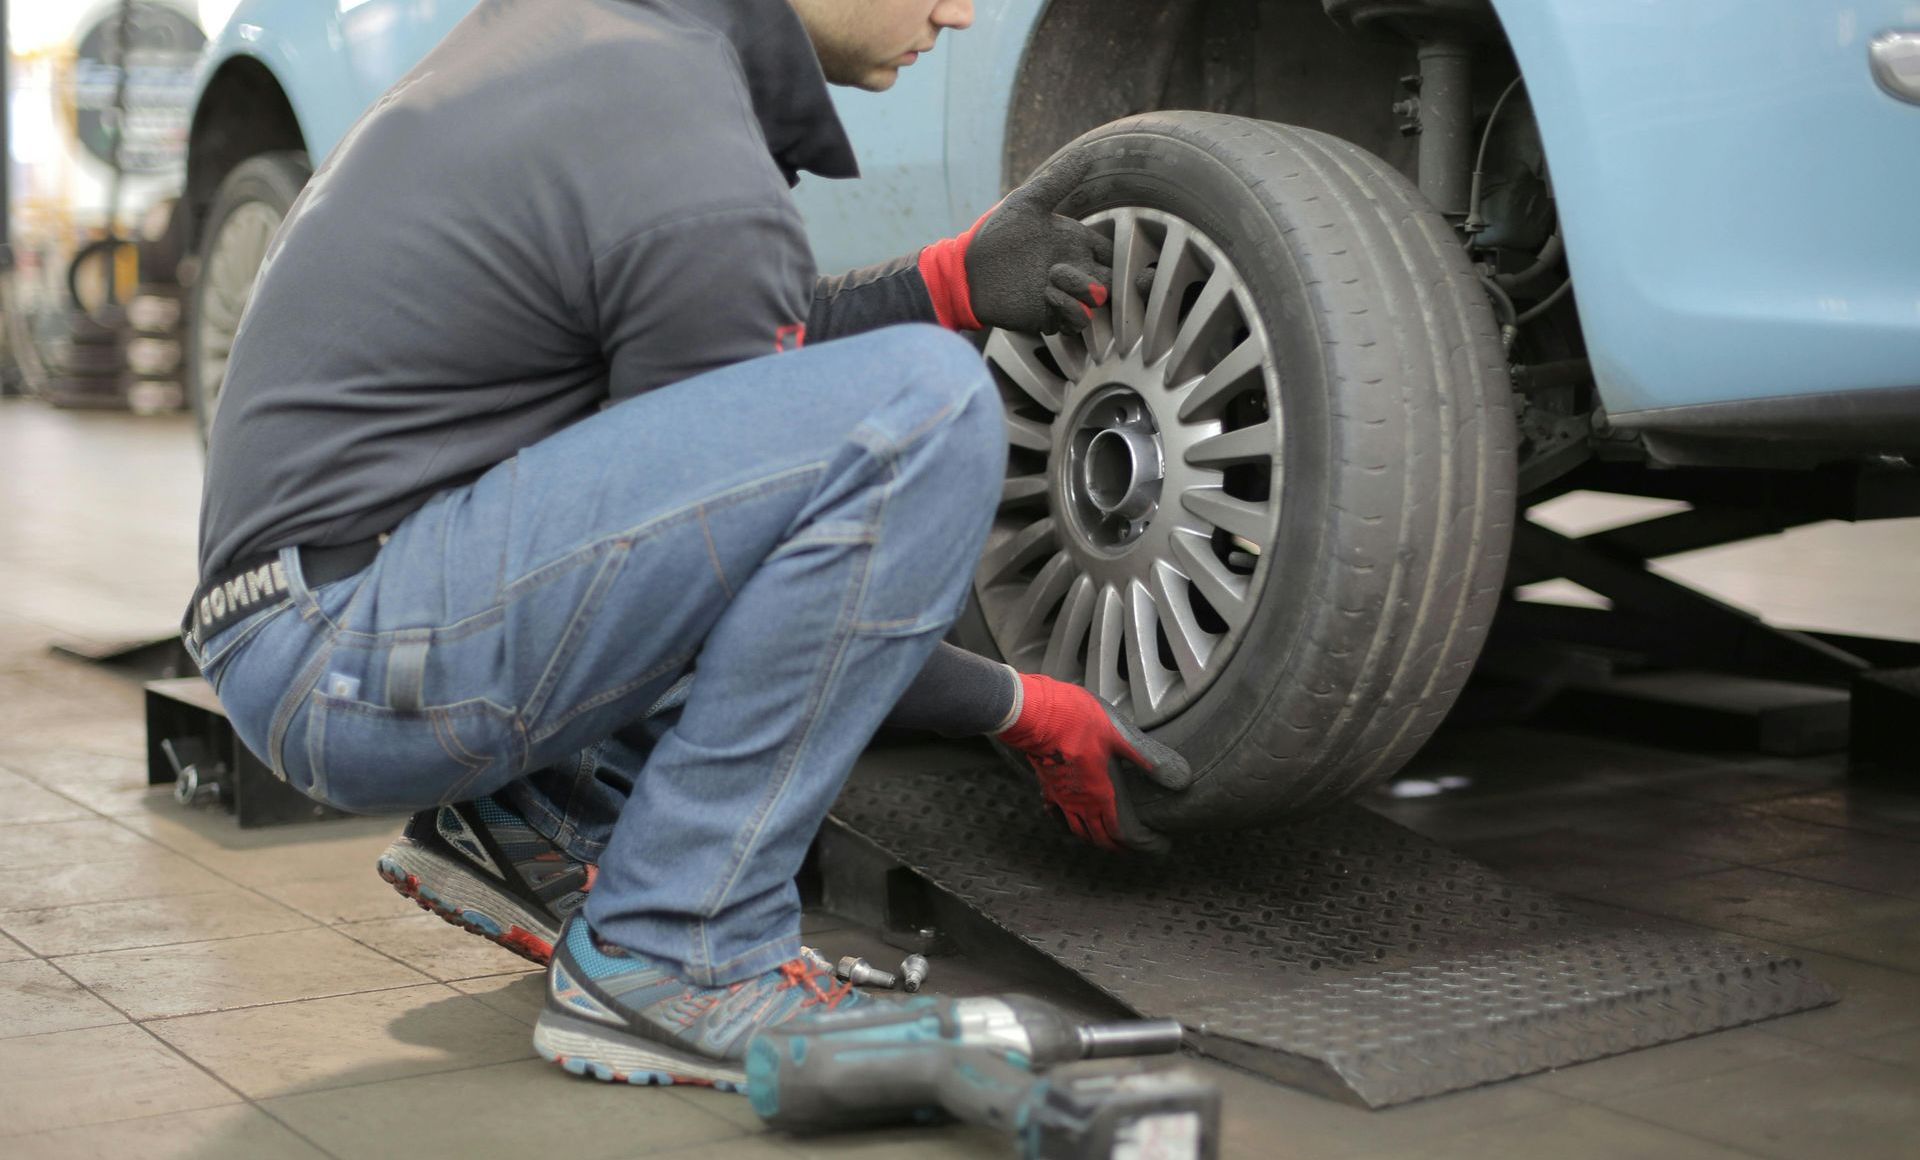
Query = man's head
x=867 y=42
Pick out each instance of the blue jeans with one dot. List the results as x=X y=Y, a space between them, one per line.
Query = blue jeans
x=799 y=530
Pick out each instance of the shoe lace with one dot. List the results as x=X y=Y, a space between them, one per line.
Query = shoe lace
x=800 y=973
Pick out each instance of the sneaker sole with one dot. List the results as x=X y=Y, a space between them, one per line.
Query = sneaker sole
x=466 y=900
x=608 y=1055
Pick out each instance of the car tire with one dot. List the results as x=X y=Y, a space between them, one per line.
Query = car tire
x=250 y=205
x=1388 y=486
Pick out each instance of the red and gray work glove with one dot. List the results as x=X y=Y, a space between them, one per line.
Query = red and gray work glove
x=1022 y=266
x=1081 y=754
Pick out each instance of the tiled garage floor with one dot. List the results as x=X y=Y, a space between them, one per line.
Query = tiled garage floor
x=172 y=986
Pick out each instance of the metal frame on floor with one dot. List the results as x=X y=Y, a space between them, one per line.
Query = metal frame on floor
x=1669 y=662
x=1669 y=622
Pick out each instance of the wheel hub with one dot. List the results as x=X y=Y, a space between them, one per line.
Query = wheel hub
x=1114 y=467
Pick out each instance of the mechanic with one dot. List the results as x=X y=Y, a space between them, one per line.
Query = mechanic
x=505 y=455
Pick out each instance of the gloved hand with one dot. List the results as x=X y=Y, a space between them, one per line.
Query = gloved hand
x=1079 y=751
x=1022 y=266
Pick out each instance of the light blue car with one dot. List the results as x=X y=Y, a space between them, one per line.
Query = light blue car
x=1391 y=266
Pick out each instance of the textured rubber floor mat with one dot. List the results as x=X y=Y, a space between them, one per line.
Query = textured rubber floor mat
x=1344 y=954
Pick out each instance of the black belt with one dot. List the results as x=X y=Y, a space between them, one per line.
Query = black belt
x=260 y=582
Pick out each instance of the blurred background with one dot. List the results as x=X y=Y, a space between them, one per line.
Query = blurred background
x=98 y=100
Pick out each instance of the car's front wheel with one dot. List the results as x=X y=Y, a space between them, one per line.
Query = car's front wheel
x=252 y=202
x=1262 y=504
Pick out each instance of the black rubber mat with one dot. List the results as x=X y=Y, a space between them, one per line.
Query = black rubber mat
x=1344 y=954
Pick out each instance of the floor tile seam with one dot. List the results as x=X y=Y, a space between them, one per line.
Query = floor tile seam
x=1690 y=1132
x=239 y=1095
x=763 y=1134
x=309 y=924
x=169 y=1048
x=1844 y=1048
x=1775 y=867
x=113 y=1120
x=83 y=985
x=91 y=815
x=303 y=999
x=1725 y=863
x=1852 y=958
x=1733 y=1072
x=1751 y=803
x=75 y=749
x=341 y=929
x=1869 y=831
x=497 y=975
x=8 y=1036
x=1687 y=877
x=262 y=1101
x=1692 y=875
x=427 y=1071
x=11 y=823
x=423 y=981
x=222 y=875
x=1687 y=1132
x=297 y=1133
x=117 y=901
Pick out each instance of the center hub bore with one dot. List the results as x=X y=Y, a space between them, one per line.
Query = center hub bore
x=1122 y=472
x=1114 y=467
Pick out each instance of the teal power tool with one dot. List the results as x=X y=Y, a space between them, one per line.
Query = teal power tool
x=976 y=1060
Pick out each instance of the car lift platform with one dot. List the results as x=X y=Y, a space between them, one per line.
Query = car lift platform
x=1343 y=954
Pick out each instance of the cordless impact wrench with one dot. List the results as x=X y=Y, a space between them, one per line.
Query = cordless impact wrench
x=975 y=1060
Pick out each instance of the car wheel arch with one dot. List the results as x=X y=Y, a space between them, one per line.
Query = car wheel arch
x=243 y=111
x=1067 y=81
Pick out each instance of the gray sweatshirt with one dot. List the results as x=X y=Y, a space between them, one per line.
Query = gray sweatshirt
x=566 y=203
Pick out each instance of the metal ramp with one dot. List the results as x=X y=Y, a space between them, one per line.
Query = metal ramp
x=1345 y=954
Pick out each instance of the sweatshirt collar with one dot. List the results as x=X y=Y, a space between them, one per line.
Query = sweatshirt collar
x=784 y=81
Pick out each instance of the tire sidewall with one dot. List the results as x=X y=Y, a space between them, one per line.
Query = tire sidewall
x=274 y=179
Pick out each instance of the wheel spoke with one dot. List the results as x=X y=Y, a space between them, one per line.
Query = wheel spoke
x=1104 y=646
x=1129 y=258
x=1192 y=645
x=1240 y=361
x=1222 y=587
x=1244 y=518
x=1025 y=616
x=1170 y=279
x=1017 y=360
x=1022 y=487
x=1099 y=336
x=1031 y=434
x=1149 y=678
x=1215 y=294
x=1069 y=352
x=1253 y=444
x=1009 y=552
x=1062 y=660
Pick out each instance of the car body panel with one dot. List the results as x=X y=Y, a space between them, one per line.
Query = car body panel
x=332 y=58
x=1736 y=192
x=1734 y=187
x=299 y=44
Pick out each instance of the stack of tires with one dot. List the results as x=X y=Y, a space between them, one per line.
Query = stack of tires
x=126 y=356
x=153 y=351
x=93 y=371
x=158 y=315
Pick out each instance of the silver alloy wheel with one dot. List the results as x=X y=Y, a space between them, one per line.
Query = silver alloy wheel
x=232 y=267
x=1143 y=478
